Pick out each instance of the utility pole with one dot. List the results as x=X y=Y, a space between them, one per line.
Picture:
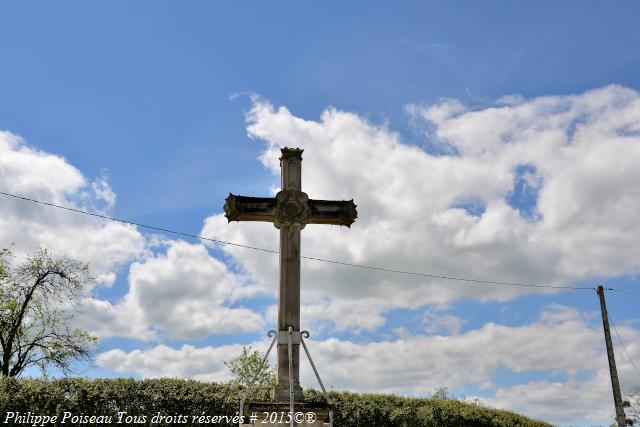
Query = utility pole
x=617 y=398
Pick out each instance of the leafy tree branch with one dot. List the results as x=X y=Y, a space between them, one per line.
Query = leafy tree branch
x=34 y=325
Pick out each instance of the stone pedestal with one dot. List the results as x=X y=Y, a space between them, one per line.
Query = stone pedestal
x=276 y=414
x=281 y=391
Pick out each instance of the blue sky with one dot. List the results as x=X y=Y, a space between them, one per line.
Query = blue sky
x=491 y=140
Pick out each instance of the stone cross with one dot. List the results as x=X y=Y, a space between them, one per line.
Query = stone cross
x=289 y=211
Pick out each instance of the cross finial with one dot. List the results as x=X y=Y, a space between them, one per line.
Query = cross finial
x=291 y=153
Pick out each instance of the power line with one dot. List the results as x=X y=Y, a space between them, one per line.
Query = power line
x=150 y=227
x=461 y=279
x=623 y=291
x=347 y=264
x=623 y=346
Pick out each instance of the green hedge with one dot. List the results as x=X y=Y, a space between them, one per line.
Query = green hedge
x=187 y=397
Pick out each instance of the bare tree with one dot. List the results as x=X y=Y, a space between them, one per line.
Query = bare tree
x=34 y=325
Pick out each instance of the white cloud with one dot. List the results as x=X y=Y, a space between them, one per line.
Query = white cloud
x=446 y=109
x=559 y=402
x=28 y=172
x=105 y=319
x=183 y=293
x=420 y=363
x=205 y=364
x=103 y=191
x=440 y=322
x=583 y=149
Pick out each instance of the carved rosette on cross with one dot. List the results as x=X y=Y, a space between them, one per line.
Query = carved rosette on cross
x=292 y=208
x=290 y=211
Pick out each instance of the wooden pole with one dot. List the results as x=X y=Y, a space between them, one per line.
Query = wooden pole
x=617 y=398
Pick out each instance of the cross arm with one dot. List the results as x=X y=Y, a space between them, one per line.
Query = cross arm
x=243 y=208
x=332 y=212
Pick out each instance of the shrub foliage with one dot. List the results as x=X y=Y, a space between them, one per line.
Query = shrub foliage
x=188 y=397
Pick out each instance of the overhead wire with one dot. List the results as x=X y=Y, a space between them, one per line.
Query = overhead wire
x=623 y=346
x=343 y=263
x=149 y=227
x=623 y=291
x=461 y=279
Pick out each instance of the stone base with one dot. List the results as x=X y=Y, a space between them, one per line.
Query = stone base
x=281 y=393
x=276 y=414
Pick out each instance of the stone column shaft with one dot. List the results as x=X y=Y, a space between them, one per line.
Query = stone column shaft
x=289 y=289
